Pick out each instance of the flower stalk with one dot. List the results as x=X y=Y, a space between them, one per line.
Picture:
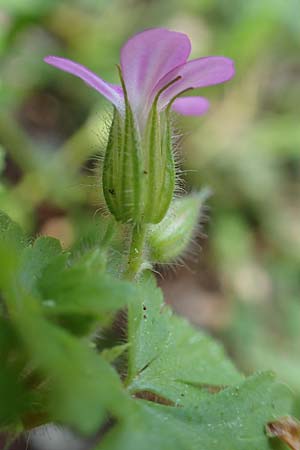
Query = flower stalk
x=136 y=251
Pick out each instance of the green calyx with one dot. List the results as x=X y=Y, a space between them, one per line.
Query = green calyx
x=139 y=170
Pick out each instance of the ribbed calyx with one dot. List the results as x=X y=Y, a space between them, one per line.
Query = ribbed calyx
x=139 y=169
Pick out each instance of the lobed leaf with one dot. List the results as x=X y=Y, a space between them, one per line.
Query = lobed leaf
x=168 y=355
x=233 y=419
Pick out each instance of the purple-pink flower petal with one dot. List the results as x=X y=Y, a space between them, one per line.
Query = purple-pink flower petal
x=112 y=92
x=191 y=106
x=196 y=74
x=150 y=61
x=146 y=58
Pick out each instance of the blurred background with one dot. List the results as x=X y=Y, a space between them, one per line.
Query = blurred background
x=242 y=282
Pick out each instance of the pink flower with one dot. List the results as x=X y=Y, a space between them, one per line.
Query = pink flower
x=151 y=60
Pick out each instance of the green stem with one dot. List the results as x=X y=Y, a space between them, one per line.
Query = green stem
x=135 y=257
x=135 y=260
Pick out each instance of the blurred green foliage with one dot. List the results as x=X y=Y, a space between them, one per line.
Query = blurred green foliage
x=246 y=149
x=50 y=300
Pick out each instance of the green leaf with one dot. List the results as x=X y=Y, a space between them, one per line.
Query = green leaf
x=12 y=391
x=83 y=290
x=167 y=355
x=45 y=253
x=66 y=380
x=233 y=419
x=189 y=395
x=10 y=265
x=83 y=388
x=75 y=293
x=10 y=231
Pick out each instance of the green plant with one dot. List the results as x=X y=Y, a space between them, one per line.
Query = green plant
x=161 y=384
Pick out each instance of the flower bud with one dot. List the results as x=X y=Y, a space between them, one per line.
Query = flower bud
x=122 y=181
x=139 y=170
x=169 y=239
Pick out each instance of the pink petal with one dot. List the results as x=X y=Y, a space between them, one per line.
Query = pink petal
x=196 y=74
x=146 y=58
x=112 y=92
x=191 y=106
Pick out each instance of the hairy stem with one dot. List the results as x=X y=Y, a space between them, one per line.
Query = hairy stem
x=135 y=260
x=135 y=257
